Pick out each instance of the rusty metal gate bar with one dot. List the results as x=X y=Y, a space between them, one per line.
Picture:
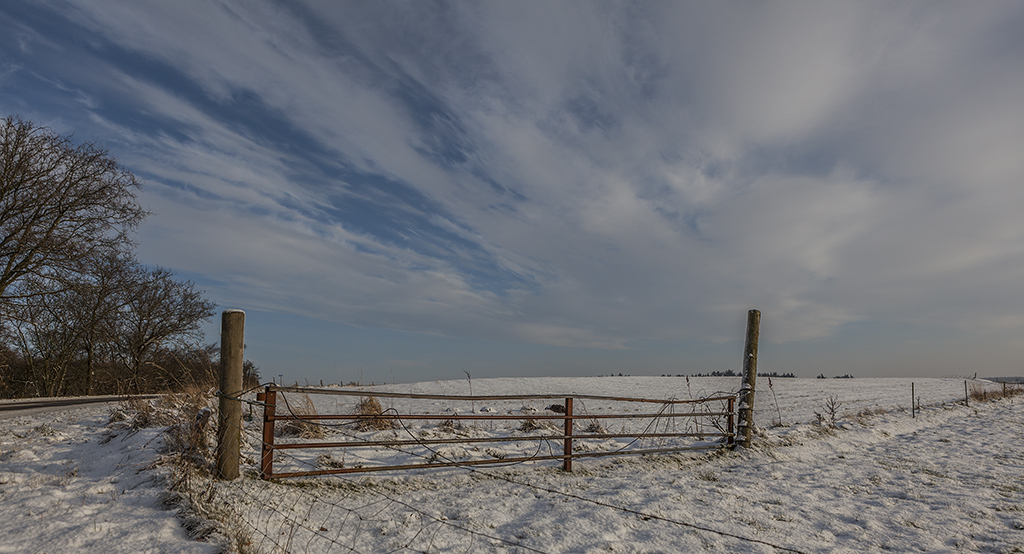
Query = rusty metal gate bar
x=269 y=400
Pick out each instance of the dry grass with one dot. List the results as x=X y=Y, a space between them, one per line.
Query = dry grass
x=187 y=452
x=450 y=426
x=369 y=407
x=530 y=425
x=979 y=392
x=306 y=429
x=535 y=424
x=865 y=414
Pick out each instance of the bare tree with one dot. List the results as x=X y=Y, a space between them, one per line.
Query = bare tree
x=98 y=306
x=48 y=335
x=70 y=290
x=59 y=204
x=159 y=311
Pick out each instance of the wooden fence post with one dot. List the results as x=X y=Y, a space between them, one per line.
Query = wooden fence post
x=746 y=394
x=229 y=428
x=567 y=445
x=967 y=397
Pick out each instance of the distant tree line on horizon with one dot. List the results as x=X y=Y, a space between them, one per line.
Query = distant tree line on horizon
x=78 y=313
x=731 y=373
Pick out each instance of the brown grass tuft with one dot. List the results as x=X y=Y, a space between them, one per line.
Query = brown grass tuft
x=370 y=408
x=306 y=429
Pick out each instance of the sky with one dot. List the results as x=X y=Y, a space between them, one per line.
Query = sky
x=402 y=191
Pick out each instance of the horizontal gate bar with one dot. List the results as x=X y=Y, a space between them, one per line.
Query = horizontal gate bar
x=354 y=444
x=470 y=398
x=477 y=417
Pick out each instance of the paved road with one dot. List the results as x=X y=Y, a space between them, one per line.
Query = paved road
x=30 y=406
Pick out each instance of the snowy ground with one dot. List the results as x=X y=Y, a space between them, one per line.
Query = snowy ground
x=950 y=480
x=70 y=483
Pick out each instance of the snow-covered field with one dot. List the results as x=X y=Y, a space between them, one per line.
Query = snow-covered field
x=949 y=480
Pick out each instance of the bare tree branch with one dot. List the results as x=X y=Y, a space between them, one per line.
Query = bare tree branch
x=59 y=204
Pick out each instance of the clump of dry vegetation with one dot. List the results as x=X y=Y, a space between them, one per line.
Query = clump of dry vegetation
x=370 y=410
x=979 y=392
x=450 y=426
x=530 y=425
x=302 y=428
x=189 y=423
x=864 y=414
x=533 y=424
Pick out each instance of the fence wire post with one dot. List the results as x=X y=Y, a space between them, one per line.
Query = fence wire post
x=229 y=428
x=567 y=446
x=746 y=410
x=269 y=399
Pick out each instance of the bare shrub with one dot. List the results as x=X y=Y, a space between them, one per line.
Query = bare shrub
x=370 y=410
x=595 y=427
x=830 y=412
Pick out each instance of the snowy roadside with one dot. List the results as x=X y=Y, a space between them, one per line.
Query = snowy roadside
x=70 y=484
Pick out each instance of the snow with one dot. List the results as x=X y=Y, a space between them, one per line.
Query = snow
x=950 y=479
x=68 y=483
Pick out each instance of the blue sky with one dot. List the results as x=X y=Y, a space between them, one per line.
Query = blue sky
x=404 y=191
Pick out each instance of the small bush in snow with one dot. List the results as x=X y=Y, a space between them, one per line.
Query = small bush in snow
x=370 y=406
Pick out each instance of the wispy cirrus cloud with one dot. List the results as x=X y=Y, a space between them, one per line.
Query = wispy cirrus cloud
x=588 y=174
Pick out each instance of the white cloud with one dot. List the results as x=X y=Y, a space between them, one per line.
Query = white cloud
x=645 y=171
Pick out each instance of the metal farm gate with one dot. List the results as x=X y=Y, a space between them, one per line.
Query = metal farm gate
x=437 y=431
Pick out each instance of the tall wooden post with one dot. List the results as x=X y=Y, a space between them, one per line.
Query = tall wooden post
x=229 y=428
x=567 y=445
x=746 y=394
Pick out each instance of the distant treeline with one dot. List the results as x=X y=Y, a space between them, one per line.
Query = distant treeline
x=731 y=373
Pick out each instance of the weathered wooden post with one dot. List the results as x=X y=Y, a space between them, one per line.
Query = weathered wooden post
x=229 y=428
x=567 y=445
x=746 y=394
